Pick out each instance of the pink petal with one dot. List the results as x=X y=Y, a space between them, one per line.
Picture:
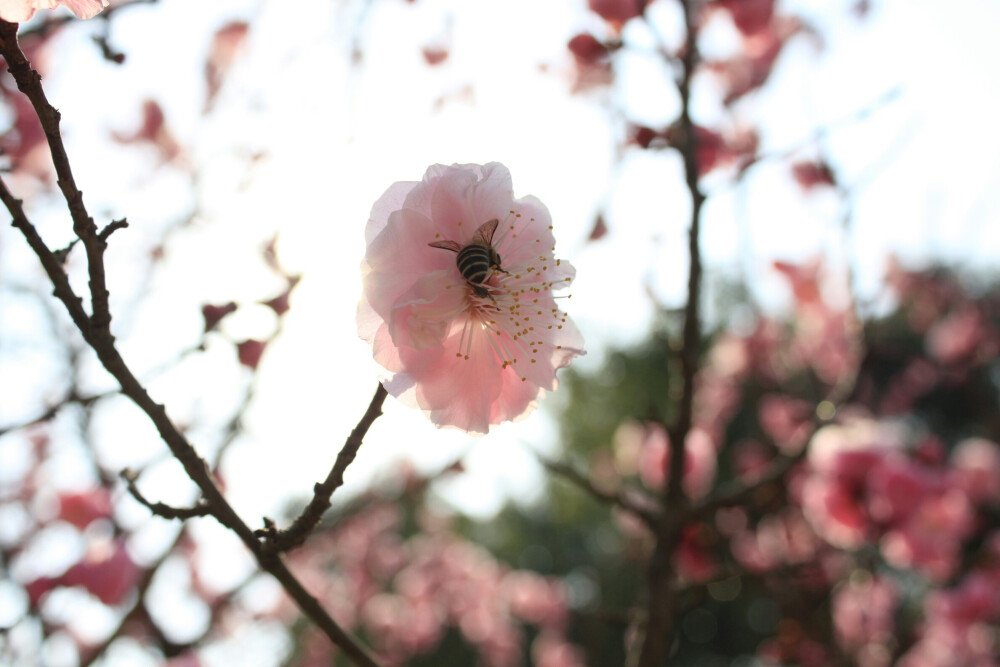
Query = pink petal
x=84 y=9
x=16 y=11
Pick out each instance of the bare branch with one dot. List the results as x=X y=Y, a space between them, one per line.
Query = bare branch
x=276 y=541
x=632 y=503
x=162 y=509
x=663 y=601
x=96 y=331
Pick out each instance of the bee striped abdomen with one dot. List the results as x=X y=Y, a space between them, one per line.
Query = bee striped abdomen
x=474 y=262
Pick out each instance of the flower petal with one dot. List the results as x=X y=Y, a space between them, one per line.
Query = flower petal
x=85 y=9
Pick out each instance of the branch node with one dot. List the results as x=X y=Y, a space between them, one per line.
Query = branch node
x=111 y=228
x=62 y=254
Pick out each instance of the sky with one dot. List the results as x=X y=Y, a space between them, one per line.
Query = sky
x=336 y=133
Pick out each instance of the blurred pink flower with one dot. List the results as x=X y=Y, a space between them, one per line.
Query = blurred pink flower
x=107 y=571
x=863 y=613
x=749 y=16
x=699 y=460
x=468 y=355
x=961 y=336
x=552 y=650
x=617 y=12
x=976 y=469
x=833 y=500
x=930 y=539
x=83 y=507
x=17 y=11
x=960 y=625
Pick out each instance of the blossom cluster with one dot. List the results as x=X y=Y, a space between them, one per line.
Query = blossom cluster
x=887 y=519
x=407 y=593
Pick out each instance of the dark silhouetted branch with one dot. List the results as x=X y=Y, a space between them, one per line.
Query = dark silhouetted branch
x=282 y=540
x=162 y=509
x=649 y=514
x=96 y=330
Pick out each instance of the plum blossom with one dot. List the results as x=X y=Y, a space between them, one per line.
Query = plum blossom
x=863 y=617
x=17 y=11
x=469 y=354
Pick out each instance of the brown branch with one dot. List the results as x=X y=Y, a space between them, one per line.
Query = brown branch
x=663 y=602
x=740 y=492
x=201 y=508
x=30 y=83
x=96 y=331
x=620 y=498
x=276 y=541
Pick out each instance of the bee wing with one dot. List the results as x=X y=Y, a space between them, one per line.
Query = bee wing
x=484 y=234
x=445 y=245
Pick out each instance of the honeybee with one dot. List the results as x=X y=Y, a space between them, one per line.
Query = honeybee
x=478 y=259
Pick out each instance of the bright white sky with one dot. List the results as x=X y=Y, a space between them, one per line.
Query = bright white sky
x=337 y=135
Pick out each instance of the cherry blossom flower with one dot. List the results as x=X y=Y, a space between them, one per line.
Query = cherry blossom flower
x=17 y=11
x=863 y=616
x=617 y=12
x=476 y=352
x=654 y=452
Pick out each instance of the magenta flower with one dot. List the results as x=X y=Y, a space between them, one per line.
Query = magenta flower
x=471 y=346
x=17 y=11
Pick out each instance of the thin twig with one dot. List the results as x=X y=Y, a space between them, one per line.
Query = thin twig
x=276 y=541
x=620 y=498
x=162 y=509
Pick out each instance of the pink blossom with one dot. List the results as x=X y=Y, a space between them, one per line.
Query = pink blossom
x=107 y=571
x=833 y=498
x=153 y=129
x=716 y=149
x=552 y=650
x=959 y=626
x=976 y=469
x=961 y=336
x=749 y=16
x=785 y=420
x=17 y=11
x=812 y=174
x=863 y=613
x=617 y=12
x=470 y=355
x=699 y=460
x=930 y=539
x=83 y=507
x=227 y=45
x=897 y=486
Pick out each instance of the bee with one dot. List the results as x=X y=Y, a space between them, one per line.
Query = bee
x=478 y=259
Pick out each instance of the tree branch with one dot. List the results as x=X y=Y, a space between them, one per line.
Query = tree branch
x=663 y=603
x=96 y=331
x=162 y=509
x=649 y=515
x=276 y=541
